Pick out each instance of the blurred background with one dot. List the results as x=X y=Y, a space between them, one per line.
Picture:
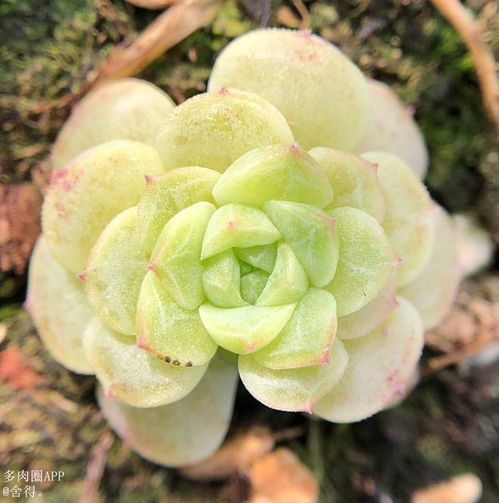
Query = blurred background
x=52 y=52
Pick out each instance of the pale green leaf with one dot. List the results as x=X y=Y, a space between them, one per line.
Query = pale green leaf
x=170 y=332
x=246 y=329
x=183 y=432
x=130 y=374
x=275 y=172
x=381 y=365
x=176 y=259
x=296 y=389
x=59 y=308
x=307 y=337
x=365 y=263
x=312 y=236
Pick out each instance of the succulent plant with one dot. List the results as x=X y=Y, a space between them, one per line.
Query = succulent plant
x=235 y=238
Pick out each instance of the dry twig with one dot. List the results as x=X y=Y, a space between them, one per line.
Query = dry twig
x=152 y=4
x=168 y=29
x=95 y=468
x=483 y=59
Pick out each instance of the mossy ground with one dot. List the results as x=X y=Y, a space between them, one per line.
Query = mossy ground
x=49 y=49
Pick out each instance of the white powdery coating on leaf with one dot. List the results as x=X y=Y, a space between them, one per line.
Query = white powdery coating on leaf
x=214 y=129
x=127 y=109
x=86 y=194
x=365 y=320
x=168 y=331
x=433 y=291
x=295 y=389
x=115 y=272
x=408 y=219
x=322 y=94
x=184 y=432
x=353 y=179
x=380 y=367
x=391 y=128
x=59 y=308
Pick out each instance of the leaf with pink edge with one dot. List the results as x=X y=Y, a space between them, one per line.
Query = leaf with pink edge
x=295 y=389
x=408 y=219
x=84 y=196
x=176 y=259
x=365 y=262
x=433 y=291
x=380 y=367
x=306 y=338
x=237 y=226
x=246 y=329
x=168 y=331
x=165 y=195
x=131 y=374
x=183 y=432
x=59 y=308
x=353 y=179
x=115 y=272
x=275 y=172
x=214 y=129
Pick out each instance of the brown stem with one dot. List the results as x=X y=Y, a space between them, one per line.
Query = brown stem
x=483 y=59
x=168 y=29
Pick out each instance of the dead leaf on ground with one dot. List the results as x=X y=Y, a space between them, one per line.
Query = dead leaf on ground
x=19 y=225
x=15 y=370
x=467 y=331
x=280 y=477
x=466 y=488
x=235 y=456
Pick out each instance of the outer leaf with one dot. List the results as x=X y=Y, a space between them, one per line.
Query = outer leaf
x=312 y=236
x=279 y=172
x=132 y=375
x=354 y=181
x=322 y=94
x=214 y=129
x=247 y=329
x=408 y=219
x=365 y=320
x=288 y=281
x=235 y=225
x=126 y=109
x=380 y=367
x=59 y=309
x=391 y=128
x=293 y=389
x=165 y=195
x=86 y=194
x=307 y=337
x=221 y=280
x=366 y=260
x=115 y=272
x=183 y=432
x=433 y=291
x=173 y=334
x=176 y=259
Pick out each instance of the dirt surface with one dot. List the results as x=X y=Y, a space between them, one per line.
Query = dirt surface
x=48 y=416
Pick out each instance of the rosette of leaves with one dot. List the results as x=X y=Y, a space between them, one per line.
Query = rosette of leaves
x=219 y=247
